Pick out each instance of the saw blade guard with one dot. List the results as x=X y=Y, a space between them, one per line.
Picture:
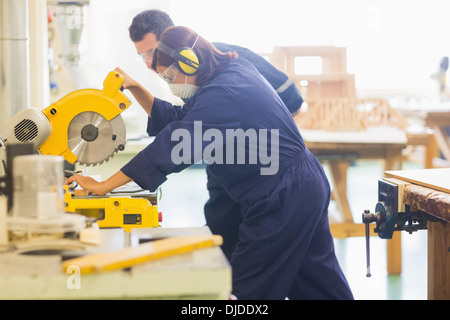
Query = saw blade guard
x=106 y=104
x=99 y=139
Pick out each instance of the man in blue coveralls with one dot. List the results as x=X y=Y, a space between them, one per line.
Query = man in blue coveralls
x=285 y=247
x=222 y=213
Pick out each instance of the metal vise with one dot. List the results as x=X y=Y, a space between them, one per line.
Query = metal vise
x=391 y=216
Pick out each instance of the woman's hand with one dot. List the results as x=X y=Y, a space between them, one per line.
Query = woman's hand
x=89 y=184
x=100 y=188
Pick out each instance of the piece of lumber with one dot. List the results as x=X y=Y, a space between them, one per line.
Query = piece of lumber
x=438 y=179
x=80 y=193
x=145 y=252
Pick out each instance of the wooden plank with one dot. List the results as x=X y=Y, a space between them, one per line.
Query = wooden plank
x=370 y=136
x=439 y=261
x=438 y=179
x=80 y=193
x=436 y=203
x=145 y=252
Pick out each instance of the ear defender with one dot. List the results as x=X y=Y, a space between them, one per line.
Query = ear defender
x=186 y=58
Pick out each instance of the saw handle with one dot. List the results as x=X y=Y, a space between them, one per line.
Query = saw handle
x=112 y=84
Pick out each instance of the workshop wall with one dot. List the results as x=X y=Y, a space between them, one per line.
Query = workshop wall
x=105 y=44
x=393 y=47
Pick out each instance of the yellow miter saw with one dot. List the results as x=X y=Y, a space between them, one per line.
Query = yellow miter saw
x=85 y=126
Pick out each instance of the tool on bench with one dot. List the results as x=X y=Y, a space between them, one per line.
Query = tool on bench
x=86 y=127
x=124 y=210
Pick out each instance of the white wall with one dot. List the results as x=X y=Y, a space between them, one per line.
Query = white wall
x=392 y=46
x=106 y=45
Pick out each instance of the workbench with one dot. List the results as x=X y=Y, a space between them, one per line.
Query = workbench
x=338 y=149
x=428 y=190
x=200 y=274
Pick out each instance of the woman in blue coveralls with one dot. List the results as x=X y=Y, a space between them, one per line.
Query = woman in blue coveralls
x=237 y=123
x=222 y=213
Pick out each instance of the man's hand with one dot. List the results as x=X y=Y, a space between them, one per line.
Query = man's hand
x=142 y=95
x=128 y=82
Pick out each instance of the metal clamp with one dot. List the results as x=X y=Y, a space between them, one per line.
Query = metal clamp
x=388 y=219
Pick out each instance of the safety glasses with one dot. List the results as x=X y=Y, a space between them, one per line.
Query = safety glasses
x=146 y=56
x=169 y=74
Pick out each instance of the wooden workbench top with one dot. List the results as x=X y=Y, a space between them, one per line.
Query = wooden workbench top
x=429 y=190
x=437 y=179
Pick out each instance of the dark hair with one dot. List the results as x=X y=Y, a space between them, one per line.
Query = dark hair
x=154 y=21
x=211 y=60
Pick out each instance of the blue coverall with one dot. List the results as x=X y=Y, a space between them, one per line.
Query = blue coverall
x=222 y=213
x=285 y=247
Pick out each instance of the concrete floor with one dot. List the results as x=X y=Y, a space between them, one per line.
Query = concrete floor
x=184 y=194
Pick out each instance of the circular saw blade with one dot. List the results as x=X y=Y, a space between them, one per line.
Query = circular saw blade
x=93 y=139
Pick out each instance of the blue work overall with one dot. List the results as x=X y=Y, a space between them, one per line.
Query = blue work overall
x=284 y=248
